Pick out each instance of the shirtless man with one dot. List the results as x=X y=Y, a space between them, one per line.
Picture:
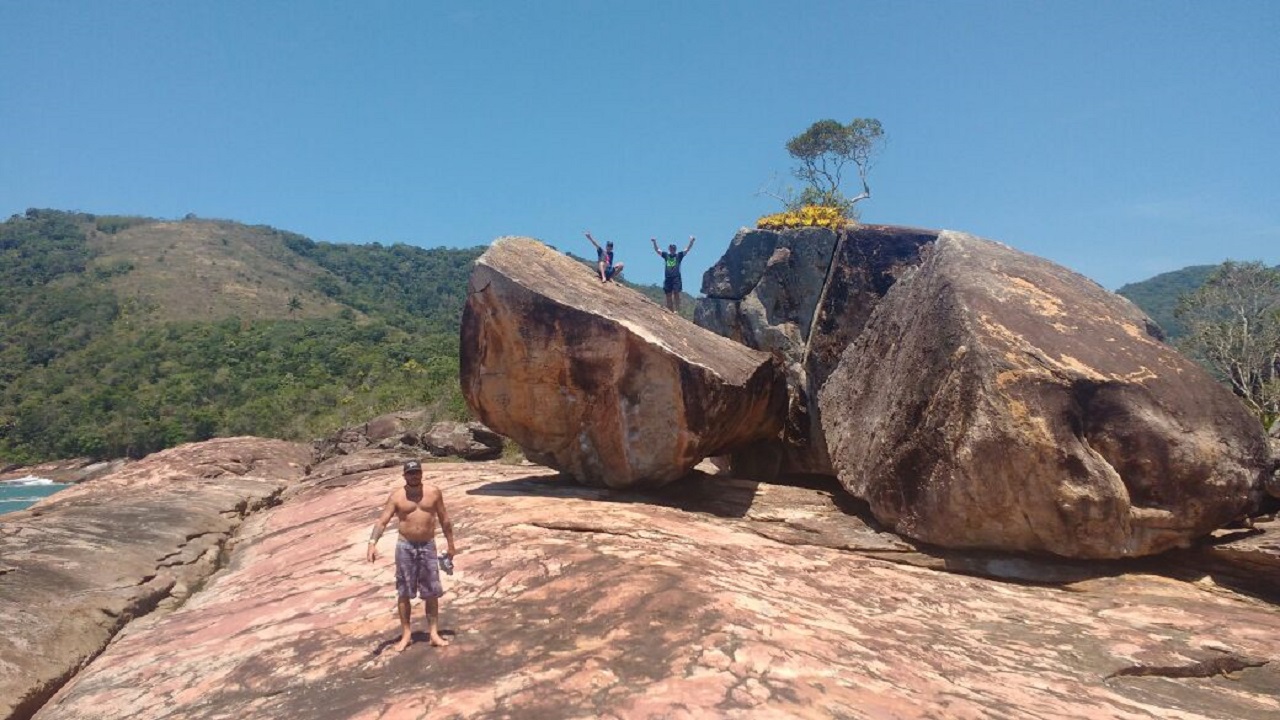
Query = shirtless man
x=418 y=507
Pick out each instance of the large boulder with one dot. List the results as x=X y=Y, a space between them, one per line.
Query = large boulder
x=803 y=294
x=998 y=400
x=598 y=381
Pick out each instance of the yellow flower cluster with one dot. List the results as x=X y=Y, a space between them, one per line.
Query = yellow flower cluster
x=807 y=216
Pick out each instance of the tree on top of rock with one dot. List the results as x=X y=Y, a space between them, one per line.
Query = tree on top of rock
x=825 y=152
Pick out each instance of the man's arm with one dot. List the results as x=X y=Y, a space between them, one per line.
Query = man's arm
x=690 y=247
x=655 y=246
x=600 y=251
x=445 y=526
x=388 y=510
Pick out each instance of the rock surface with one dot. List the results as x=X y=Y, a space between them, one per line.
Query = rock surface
x=64 y=471
x=469 y=441
x=998 y=400
x=765 y=292
x=407 y=431
x=712 y=598
x=596 y=380
x=79 y=565
x=1247 y=558
x=1273 y=482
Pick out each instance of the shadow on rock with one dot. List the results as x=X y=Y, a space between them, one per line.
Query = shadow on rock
x=697 y=493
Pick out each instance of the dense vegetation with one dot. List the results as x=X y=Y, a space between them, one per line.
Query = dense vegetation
x=411 y=288
x=91 y=366
x=1233 y=329
x=84 y=372
x=1227 y=318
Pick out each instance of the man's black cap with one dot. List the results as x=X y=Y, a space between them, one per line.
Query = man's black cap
x=413 y=466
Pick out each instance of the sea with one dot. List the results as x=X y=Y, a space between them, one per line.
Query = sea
x=23 y=492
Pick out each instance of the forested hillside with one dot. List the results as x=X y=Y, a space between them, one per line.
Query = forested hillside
x=122 y=336
x=1158 y=296
x=125 y=335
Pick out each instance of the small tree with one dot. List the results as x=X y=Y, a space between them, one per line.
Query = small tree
x=824 y=152
x=1233 y=328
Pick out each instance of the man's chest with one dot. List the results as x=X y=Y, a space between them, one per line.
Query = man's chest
x=409 y=507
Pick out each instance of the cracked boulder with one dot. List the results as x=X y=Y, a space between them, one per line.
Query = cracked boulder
x=997 y=400
x=596 y=380
x=80 y=564
x=767 y=291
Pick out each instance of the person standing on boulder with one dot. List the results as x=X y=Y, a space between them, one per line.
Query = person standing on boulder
x=671 y=283
x=418 y=507
x=604 y=260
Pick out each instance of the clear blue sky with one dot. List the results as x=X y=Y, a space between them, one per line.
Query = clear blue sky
x=1121 y=139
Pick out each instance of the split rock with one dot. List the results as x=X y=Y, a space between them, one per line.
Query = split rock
x=805 y=294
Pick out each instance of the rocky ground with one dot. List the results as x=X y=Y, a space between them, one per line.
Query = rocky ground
x=711 y=598
x=80 y=565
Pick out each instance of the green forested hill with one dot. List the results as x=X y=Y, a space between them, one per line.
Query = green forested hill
x=121 y=336
x=1158 y=296
x=124 y=335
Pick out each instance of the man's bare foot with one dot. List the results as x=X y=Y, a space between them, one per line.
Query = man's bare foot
x=404 y=642
x=437 y=641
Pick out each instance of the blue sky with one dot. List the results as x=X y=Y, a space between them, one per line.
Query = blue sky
x=1121 y=139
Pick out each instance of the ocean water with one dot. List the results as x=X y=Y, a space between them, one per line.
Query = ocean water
x=23 y=492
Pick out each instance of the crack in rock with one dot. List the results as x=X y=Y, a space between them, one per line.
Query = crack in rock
x=1223 y=665
x=583 y=527
x=182 y=556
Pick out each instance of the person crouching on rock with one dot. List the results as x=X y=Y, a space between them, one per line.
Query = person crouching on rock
x=671 y=284
x=418 y=507
x=604 y=260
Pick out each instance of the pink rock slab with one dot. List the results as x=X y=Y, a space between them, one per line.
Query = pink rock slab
x=570 y=602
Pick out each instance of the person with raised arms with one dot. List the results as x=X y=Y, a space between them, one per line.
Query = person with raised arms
x=671 y=283
x=604 y=260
